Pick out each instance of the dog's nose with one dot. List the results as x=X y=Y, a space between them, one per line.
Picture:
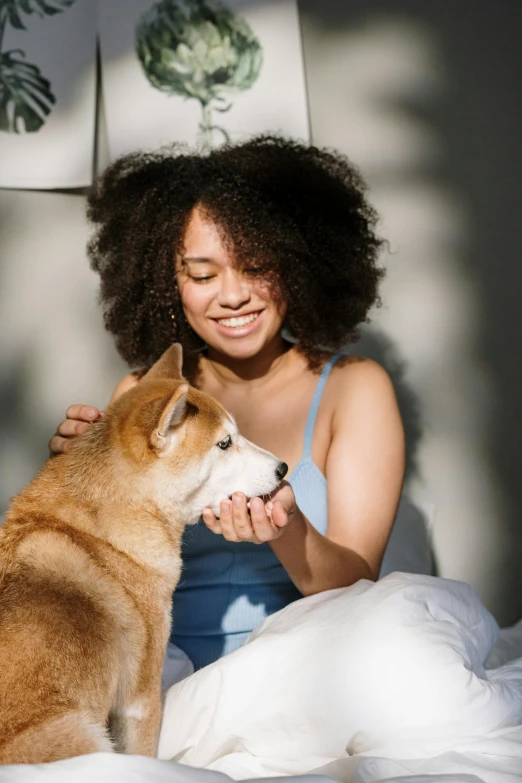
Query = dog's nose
x=281 y=470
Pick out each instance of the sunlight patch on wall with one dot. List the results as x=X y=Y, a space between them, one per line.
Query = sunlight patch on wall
x=55 y=350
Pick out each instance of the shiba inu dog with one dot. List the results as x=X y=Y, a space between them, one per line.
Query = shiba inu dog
x=90 y=557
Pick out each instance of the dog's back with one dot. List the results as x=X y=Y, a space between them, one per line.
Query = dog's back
x=56 y=640
x=65 y=620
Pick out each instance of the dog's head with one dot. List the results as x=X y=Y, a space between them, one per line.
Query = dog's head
x=186 y=447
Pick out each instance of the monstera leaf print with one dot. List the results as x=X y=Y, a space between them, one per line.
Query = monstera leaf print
x=12 y=10
x=198 y=49
x=26 y=97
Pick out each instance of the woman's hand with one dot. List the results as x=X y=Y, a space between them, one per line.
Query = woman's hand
x=77 y=422
x=260 y=523
x=80 y=416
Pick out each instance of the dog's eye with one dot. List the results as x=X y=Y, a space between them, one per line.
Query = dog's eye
x=225 y=443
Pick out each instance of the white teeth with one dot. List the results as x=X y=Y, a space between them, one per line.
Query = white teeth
x=243 y=321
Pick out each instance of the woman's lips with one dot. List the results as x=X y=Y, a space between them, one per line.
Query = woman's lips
x=239 y=326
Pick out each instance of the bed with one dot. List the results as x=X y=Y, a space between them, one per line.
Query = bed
x=405 y=679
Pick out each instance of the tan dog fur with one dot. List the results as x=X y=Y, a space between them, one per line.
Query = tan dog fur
x=89 y=559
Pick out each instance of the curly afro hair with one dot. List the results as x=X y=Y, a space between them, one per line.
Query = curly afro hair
x=291 y=213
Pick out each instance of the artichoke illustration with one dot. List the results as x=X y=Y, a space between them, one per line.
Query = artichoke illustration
x=201 y=50
x=26 y=97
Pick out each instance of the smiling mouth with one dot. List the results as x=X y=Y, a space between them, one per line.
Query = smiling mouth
x=237 y=321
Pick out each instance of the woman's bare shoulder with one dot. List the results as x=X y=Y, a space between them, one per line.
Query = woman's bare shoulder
x=350 y=366
x=364 y=405
x=358 y=376
x=126 y=383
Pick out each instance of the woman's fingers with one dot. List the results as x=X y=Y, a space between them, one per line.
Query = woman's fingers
x=237 y=522
x=79 y=417
x=58 y=445
x=211 y=521
x=261 y=523
x=234 y=519
x=62 y=438
x=278 y=513
x=241 y=517
x=226 y=521
x=70 y=428
x=83 y=413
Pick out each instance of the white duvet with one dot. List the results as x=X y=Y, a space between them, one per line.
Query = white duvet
x=376 y=682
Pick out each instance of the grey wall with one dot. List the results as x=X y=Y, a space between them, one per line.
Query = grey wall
x=424 y=97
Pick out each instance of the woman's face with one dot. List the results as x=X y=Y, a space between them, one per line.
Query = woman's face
x=232 y=312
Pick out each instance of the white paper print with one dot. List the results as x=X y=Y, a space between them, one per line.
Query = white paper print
x=200 y=72
x=47 y=92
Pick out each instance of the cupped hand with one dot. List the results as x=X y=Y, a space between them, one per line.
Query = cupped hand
x=79 y=417
x=257 y=522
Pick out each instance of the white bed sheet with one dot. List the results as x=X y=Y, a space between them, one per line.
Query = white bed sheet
x=377 y=682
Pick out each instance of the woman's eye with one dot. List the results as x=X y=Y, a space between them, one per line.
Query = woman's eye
x=201 y=279
x=225 y=443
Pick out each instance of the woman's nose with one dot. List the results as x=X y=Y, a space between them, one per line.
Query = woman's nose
x=234 y=291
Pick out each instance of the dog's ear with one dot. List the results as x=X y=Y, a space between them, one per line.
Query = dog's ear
x=169 y=365
x=171 y=417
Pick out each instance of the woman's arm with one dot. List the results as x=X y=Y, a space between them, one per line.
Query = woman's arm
x=364 y=471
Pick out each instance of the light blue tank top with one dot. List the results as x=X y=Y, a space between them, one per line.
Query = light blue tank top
x=227 y=588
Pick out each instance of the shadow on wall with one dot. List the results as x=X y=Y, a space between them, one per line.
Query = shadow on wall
x=405 y=90
x=410 y=548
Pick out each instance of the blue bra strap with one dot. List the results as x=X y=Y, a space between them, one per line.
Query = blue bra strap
x=314 y=407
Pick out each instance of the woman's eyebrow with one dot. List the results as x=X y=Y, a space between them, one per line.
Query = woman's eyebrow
x=196 y=260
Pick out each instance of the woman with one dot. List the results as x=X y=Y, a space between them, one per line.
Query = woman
x=260 y=258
